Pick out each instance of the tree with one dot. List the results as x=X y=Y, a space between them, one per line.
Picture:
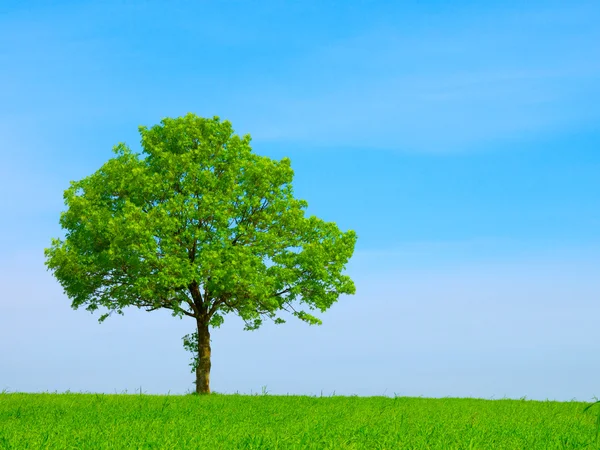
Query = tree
x=200 y=226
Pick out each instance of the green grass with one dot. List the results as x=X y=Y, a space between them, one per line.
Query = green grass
x=135 y=421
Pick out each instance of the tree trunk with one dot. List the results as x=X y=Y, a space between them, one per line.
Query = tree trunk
x=203 y=369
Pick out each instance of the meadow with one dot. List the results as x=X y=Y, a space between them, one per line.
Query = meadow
x=263 y=421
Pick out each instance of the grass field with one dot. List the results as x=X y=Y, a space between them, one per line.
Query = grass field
x=136 y=421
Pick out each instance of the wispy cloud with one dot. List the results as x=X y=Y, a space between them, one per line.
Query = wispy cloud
x=437 y=89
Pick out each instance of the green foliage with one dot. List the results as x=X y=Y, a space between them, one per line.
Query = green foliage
x=190 y=343
x=200 y=226
x=100 y=421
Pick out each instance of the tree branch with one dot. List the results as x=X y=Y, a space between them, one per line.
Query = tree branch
x=249 y=216
x=290 y=305
x=192 y=253
x=197 y=304
x=215 y=306
x=282 y=292
x=154 y=308
x=164 y=305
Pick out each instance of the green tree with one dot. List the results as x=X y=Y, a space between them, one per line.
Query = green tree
x=200 y=226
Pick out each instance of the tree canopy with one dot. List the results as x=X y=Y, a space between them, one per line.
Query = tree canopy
x=200 y=226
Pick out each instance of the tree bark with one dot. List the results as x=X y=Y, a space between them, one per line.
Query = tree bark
x=203 y=369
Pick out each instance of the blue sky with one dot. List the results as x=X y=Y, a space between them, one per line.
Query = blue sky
x=458 y=139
